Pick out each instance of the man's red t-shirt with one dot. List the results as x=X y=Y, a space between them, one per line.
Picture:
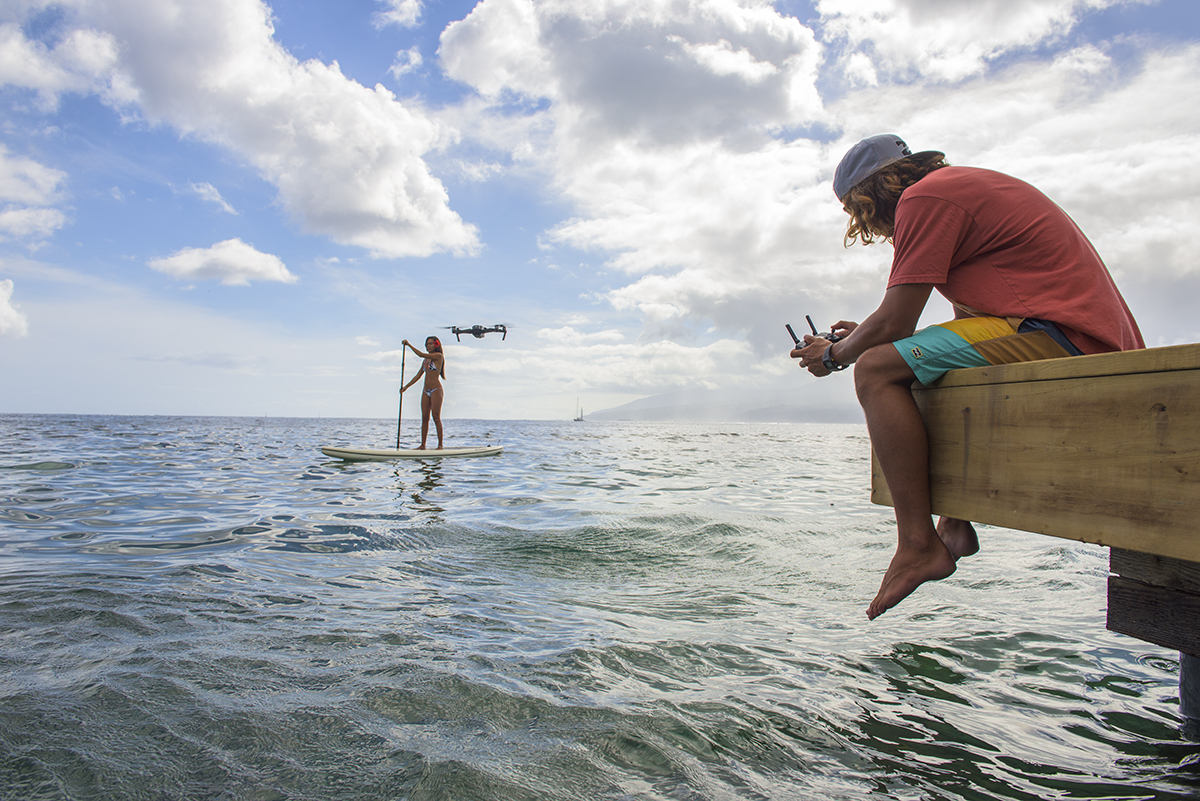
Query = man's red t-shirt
x=999 y=246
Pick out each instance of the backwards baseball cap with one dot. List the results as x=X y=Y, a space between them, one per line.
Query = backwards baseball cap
x=869 y=157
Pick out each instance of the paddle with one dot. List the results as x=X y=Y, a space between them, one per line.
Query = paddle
x=401 y=410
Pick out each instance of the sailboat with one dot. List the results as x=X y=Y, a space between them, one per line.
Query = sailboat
x=579 y=419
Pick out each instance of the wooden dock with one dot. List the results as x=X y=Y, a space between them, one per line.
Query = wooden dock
x=1102 y=449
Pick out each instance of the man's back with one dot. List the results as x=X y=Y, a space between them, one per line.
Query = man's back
x=998 y=245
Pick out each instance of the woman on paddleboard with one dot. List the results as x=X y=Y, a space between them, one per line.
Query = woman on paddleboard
x=433 y=369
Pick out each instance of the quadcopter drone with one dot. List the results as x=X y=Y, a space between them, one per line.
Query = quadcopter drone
x=478 y=331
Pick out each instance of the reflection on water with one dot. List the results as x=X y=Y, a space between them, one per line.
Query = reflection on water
x=426 y=488
x=209 y=608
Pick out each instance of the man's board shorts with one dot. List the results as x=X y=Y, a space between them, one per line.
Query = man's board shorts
x=980 y=341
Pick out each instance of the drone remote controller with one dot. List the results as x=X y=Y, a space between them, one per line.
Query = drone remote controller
x=832 y=337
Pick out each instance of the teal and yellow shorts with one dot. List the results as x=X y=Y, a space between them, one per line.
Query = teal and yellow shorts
x=980 y=341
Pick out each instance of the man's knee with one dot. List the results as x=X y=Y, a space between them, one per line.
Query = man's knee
x=881 y=366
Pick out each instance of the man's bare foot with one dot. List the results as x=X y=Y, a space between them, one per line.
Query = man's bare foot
x=958 y=536
x=909 y=569
x=420 y=447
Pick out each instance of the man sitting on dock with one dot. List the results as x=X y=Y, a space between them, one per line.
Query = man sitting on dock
x=1025 y=284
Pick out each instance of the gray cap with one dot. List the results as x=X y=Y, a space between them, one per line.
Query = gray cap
x=868 y=157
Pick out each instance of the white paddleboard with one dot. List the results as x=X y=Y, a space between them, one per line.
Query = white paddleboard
x=376 y=455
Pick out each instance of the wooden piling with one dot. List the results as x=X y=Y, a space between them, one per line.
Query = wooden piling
x=1189 y=695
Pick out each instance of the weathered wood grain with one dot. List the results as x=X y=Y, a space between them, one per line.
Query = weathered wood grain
x=1155 y=614
x=1173 y=574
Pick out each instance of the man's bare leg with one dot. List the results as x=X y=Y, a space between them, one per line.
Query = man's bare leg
x=958 y=536
x=884 y=381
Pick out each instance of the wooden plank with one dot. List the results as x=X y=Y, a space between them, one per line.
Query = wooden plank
x=1155 y=614
x=1163 y=571
x=1111 y=458
x=1130 y=362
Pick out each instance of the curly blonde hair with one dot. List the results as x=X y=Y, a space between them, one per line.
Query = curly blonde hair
x=871 y=204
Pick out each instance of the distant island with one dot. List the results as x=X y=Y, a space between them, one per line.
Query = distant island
x=724 y=406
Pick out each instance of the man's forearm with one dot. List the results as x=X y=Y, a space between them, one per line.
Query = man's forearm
x=896 y=318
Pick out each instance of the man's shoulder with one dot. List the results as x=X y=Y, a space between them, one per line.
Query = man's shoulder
x=966 y=186
x=955 y=177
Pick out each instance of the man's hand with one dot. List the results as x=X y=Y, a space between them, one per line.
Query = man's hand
x=896 y=318
x=812 y=354
x=843 y=328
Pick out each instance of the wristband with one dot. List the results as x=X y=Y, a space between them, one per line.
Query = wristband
x=830 y=364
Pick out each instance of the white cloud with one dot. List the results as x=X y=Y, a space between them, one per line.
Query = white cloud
x=347 y=160
x=476 y=171
x=575 y=336
x=83 y=60
x=721 y=59
x=945 y=40
x=12 y=321
x=406 y=61
x=405 y=13
x=233 y=262
x=209 y=194
x=859 y=70
x=496 y=47
x=33 y=224
x=25 y=181
x=655 y=72
x=27 y=188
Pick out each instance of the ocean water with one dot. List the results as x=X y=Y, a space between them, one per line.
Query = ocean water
x=208 y=608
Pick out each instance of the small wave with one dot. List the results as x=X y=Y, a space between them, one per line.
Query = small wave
x=44 y=467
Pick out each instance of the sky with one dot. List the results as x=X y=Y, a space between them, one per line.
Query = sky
x=238 y=207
